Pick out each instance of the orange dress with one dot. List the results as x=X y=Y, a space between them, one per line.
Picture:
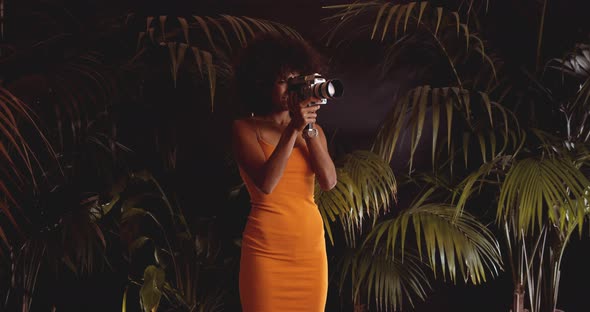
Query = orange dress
x=283 y=265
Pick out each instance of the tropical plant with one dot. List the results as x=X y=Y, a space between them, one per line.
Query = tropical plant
x=502 y=125
x=109 y=93
x=170 y=260
x=98 y=102
x=103 y=127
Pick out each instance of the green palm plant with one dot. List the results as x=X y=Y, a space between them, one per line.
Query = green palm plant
x=180 y=35
x=65 y=231
x=171 y=260
x=366 y=186
x=533 y=173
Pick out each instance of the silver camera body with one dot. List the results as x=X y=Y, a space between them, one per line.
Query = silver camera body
x=315 y=85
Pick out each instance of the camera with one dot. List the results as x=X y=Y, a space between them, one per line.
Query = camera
x=315 y=85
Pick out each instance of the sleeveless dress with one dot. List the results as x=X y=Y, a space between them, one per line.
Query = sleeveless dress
x=283 y=263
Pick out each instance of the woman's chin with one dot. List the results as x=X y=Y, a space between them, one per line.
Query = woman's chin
x=281 y=106
x=284 y=106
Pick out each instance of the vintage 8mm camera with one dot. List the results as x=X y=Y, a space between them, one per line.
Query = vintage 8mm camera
x=318 y=87
x=315 y=85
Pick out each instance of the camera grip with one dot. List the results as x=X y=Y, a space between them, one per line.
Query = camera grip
x=310 y=131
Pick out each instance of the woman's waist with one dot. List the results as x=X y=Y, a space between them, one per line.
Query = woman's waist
x=284 y=233
x=282 y=198
x=287 y=218
x=285 y=192
x=269 y=207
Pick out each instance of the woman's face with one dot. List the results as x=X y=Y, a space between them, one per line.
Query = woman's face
x=280 y=95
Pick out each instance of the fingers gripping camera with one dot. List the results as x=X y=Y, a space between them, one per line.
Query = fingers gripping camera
x=317 y=87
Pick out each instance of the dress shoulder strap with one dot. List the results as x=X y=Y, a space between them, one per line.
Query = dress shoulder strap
x=258 y=136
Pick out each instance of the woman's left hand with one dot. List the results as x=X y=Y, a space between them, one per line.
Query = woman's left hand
x=302 y=111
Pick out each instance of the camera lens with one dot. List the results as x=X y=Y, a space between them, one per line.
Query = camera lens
x=329 y=89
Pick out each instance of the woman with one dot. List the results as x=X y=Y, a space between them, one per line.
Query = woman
x=283 y=264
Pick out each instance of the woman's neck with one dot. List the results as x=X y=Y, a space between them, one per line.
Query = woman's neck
x=280 y=118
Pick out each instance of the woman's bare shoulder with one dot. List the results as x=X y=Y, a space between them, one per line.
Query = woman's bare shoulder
x=242 y=122
x=243 y=125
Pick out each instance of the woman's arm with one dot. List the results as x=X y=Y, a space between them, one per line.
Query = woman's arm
x=321 y=162
x=249 y=155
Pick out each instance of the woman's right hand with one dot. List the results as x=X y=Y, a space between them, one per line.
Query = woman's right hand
x=301 y=111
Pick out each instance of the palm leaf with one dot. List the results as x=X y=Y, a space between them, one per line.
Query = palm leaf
x=365 y=187
x=177 y=52
x=581 y=99
x=537 y=188
x=13 y=108
x=21 y=159
x=211 y=70
x=74 y=240
x=458 y=241
x=374 y=178
x=82 y=87
x=575 y=63
x=466 y=188
x=386 y=281
x=437 y=22
x=246 y=26
x=209 y=55
x=342 y=201
x=203 y=25
x=404 y=12
x=409 y=113
x=475 y=5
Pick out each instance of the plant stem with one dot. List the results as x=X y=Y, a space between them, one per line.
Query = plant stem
x=540 y=39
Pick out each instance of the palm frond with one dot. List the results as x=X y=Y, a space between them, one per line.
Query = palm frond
x=466 y=188
x=382 y=279
x=80 y=88
x=575 y=63
x=73 y=240
x=366 y=185
x=227 y=30
x=582 y=98
x=209 y=53
x=16 y=114
x=342 y=201
x=20 y=133
x=537 y=188
x=549 y=143
x=474 y=6
x=449 y=241
x=386 y=15
x=394 y=22
x=410 y=113
x=375 y=181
